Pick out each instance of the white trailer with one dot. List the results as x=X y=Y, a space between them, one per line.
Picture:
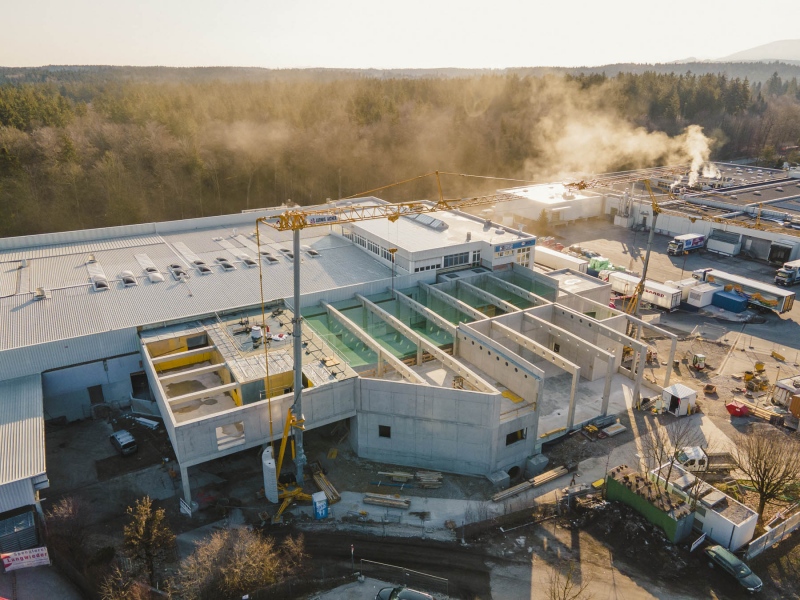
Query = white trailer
x=657 y=294
x=757 y=293
x=553 y=259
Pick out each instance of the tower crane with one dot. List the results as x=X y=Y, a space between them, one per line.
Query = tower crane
x=297 y=219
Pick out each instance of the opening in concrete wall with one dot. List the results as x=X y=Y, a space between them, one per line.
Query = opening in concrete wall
x=516 y=436
x=384 y=431
x=513 y=472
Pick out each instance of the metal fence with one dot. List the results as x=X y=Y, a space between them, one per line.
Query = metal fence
x=773 y=536
x=402 y=576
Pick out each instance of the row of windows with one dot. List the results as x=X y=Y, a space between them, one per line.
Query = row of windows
x=454 y=260
x=368 y=244
x=427 y=268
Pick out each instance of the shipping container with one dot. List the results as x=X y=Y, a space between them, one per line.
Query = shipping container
x=658 y=294
x=684 y=285
x=702 y=295
x=730 y=301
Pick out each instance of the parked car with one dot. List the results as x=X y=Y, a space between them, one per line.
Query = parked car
x=401 y=593
x=731 y=564
x=123 y=442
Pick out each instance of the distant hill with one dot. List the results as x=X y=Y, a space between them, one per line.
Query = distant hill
x=61 y=74
x=787 y=51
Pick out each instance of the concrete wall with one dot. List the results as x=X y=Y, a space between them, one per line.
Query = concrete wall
x=501 y=364
x=66 y=394
x=196 y=441
x=431 y=428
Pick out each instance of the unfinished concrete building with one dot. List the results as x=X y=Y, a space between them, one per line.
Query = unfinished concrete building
x=448 y=353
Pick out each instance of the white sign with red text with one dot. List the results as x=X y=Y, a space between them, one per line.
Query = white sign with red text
x=25 y=558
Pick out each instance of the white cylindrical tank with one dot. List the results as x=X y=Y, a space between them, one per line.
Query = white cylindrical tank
x=270 y=475
x=255 y=333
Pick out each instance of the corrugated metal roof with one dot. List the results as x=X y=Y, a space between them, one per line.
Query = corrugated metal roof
x=8 y=278
x=86 y=248
x=21 y=429
x=76 y=309
x=679 y=390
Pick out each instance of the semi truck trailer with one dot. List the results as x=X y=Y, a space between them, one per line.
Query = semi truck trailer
x=758 y=294
x=686 y=243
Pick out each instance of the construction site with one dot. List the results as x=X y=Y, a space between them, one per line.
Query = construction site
x=423 y=364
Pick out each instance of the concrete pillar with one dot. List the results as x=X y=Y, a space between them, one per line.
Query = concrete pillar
x=638 y=366
x=607 y=387
x=571 y=415
x=672 y=347
x=187 y=490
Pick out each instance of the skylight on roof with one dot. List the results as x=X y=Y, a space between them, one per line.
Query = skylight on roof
x=428 y=221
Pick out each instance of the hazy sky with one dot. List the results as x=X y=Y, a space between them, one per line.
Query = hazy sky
x=404 y=33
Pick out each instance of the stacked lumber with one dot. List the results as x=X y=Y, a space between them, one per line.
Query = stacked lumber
x=324 y=485
x=398 y=476
x=761 y=413
x=387 y=501
x=428 y=479
x=545 y=477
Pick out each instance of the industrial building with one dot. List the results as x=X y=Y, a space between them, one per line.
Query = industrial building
x=430 y=335
x=743 y=210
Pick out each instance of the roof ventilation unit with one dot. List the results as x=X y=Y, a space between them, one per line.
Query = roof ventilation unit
x=202 y=267
x=149 y=268
x=310 y=251
x=128 y=279
x=100 y=284
x=41 y=293
x=247 y=260
x=177 y=272
x=154 y=276
x=96 y=275
x=225 y=264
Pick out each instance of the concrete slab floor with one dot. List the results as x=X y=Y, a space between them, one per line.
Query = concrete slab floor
x=203 y=407
x=588 y=400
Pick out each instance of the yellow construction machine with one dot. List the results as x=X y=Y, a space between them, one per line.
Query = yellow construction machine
x=286 y=492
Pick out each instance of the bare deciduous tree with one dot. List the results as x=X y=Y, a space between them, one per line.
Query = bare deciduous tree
x=66 y=525
x=770 y=459
x=564 y=584
x=660 y=445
